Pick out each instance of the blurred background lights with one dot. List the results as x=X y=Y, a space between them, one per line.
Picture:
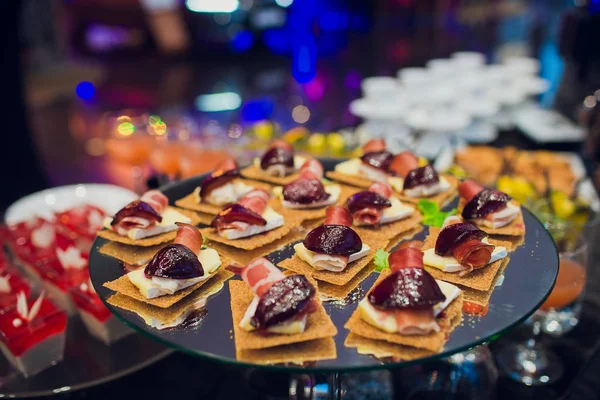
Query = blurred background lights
x=85 y=90
x=125 y=129
x=222 y=18
x=301 y=114
x=226 y=101
x=234 y=131
x=212 y=6
x=95 y=147
x=242 y=41
x=284 y=3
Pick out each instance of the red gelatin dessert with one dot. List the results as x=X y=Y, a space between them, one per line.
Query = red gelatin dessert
x=83 y=222
x=58 y=281
x=11 y=283
x=32 y=334
x=99 y=321
x=33 y=242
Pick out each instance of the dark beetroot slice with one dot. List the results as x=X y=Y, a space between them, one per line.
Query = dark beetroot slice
x=283 y=300
x=453 y=235
x=216 y=180
x=406 y=288
x=237 y=213
x=174 y=261
x=421 y=176
x=378 y=159
x=362 y=200
x=137 y=208
x=277 y=156
x=485 y=202
x=305 y=191
x=339 y=240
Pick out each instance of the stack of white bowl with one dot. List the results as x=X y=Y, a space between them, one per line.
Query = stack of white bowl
x=461 y=96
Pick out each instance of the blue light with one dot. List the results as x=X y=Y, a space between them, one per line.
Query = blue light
x=85 y=90
x=242 y=41
x=257 y=109
x=304 y=59
x=333 y=20
x=277 y=40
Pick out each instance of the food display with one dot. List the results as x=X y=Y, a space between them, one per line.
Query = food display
x=322 y=238
x=278 y=165
x=409 y=176
x=146 y=222
x=407 y=314
x=279 y=318
x=548 y=183
x=44 y=282
x=493 y=211
x=184 y=272
x=32 y=334
x=221 y=187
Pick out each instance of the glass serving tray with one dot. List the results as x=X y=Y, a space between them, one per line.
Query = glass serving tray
x=529 y=279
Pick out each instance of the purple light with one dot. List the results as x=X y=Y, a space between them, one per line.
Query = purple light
x=352 y=80
x=314 y=90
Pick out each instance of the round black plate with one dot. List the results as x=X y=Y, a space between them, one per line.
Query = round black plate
x=528 y=280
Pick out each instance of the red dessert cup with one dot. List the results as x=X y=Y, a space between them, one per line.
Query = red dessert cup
x=11 y=283
x=32 y=346
x=99 y=321
x=58 y=281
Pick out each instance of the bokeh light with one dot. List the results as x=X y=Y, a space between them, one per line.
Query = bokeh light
x=234 y=131
x=126 y=129
x=301 y=114
x=242 y=41
x=212 y=6
x=85 y=90
x=284 y=3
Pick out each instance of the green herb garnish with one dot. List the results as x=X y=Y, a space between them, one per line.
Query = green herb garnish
x=381 y=260
x=432 y=215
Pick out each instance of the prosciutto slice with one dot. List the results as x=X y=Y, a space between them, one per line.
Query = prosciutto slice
x=464 y=242
x=260 y=275
x=367 y=207
x=141 y=214
x=156 y=200
x=307 y=189
x=403 y=163
x=226 y=172
x=405 y=257
x=247 y=210
x=381 y=188
x=189 y=236
x=468 y=189
x=334 y=215
x=278 y=160
x=420 y=319
x=312 y=169
x=255 y=200
x=374 y=145
x=337 y=215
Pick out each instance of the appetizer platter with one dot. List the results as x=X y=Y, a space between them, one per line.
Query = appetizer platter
x=298 y=263
x=56 y=335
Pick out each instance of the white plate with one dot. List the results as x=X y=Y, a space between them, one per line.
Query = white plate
x=547 y=126
x=109 y=198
